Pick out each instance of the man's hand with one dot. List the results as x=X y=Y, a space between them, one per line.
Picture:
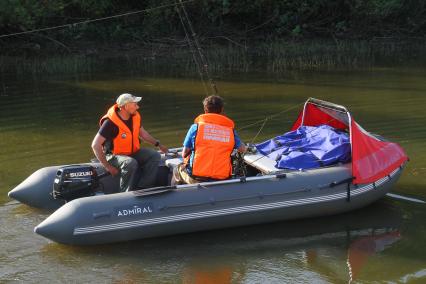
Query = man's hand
x=112 y=170
x=163 y=149
x=242 y=148
x=97 y=143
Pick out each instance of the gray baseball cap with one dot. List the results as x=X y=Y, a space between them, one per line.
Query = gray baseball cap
x=127 y=98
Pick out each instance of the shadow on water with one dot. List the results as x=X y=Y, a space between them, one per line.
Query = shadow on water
x=347 y=240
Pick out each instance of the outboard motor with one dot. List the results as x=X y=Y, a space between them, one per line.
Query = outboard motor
x=75 y=181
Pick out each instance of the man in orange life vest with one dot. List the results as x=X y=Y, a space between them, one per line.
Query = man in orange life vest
x=117 y=144
x=208 y=146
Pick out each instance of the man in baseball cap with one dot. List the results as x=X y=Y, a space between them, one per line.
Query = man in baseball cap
x=117 y=145
x=127 y=98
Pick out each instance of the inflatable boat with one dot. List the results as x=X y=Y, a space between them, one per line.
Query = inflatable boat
x=260 y=193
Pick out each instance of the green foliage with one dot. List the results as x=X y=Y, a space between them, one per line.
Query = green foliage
x=384 y=8
x=297 y=31
x=239 y=20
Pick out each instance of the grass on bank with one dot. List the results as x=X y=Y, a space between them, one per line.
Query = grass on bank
x=273 y=57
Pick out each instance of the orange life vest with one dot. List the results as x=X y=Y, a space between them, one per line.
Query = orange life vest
x=127 y=141
x=214 y=143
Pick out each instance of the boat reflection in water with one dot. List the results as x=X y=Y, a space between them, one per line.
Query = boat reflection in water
x=327 y=249
x=361 y=249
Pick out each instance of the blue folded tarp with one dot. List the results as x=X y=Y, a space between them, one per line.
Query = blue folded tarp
x=308 y=147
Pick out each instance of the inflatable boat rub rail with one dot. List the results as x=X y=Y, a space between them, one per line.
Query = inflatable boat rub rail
x=152 y=191
x=164 y=189
x=213 y=201
x=221 y=212
x=328 y=105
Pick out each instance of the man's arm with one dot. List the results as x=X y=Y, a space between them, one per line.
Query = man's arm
x=148 y=138
x=189 y=140
x=97 y=143
x=185 y=152
x=240 y=146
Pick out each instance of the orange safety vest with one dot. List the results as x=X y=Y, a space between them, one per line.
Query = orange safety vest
x=126 y=142
x=214 y=143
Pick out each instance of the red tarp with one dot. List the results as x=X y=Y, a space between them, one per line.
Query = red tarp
x=315 y=116
x=372 y=158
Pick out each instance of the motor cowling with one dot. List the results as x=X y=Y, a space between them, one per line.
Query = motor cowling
x=75 y=181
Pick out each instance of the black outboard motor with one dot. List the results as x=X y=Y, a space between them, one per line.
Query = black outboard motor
x=75 y=181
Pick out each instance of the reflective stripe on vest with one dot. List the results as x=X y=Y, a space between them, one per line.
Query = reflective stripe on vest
x=214 y=143
x=126 y=142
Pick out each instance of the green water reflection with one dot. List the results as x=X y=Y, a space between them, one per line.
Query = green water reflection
x=52 y=120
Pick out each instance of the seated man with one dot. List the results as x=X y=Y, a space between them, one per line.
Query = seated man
x=208 y=146
x=117 y=145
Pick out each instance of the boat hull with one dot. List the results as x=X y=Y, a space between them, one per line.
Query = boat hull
x=36 y=190
x=166 y=211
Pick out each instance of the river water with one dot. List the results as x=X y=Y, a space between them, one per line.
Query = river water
x=51 y=120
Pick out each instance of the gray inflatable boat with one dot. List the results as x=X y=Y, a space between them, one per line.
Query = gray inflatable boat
x=264 y=194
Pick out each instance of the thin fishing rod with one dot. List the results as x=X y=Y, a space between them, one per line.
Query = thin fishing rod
x=264 y=122
x=260 y=130
x=93 y=20
x=200 y=53
x=270 y=116
x=192 y=49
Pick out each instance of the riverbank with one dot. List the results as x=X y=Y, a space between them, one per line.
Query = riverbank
x=272 y=57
